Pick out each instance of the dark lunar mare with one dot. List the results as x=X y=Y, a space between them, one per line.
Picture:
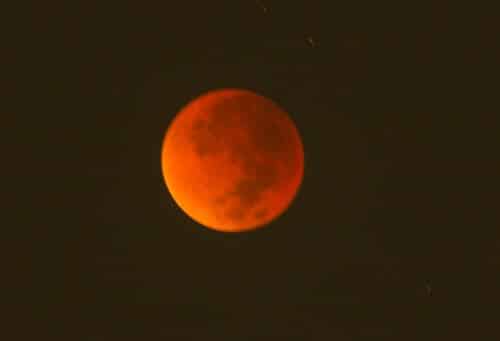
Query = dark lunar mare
x=264 y=142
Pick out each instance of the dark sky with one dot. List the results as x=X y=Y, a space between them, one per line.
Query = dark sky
x=393 y=235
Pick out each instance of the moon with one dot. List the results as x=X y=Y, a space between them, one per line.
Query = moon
x=233 y=160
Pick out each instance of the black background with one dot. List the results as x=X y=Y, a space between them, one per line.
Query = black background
x=393 y=235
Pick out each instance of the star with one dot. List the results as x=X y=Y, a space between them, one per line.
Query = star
x=311 y=41
x=261 y=5
x=429 y=289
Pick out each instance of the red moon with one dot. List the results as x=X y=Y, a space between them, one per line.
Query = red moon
x=232 y=160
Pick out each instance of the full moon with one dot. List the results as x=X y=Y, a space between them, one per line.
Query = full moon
x=233 y=160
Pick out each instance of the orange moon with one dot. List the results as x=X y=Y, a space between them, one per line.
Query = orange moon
x=233 y=160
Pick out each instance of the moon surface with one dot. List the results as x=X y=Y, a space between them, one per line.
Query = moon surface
x=232 y=160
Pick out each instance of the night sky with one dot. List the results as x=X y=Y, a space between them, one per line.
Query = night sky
x=394 y=234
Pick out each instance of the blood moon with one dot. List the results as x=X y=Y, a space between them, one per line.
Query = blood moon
x=232 y=160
